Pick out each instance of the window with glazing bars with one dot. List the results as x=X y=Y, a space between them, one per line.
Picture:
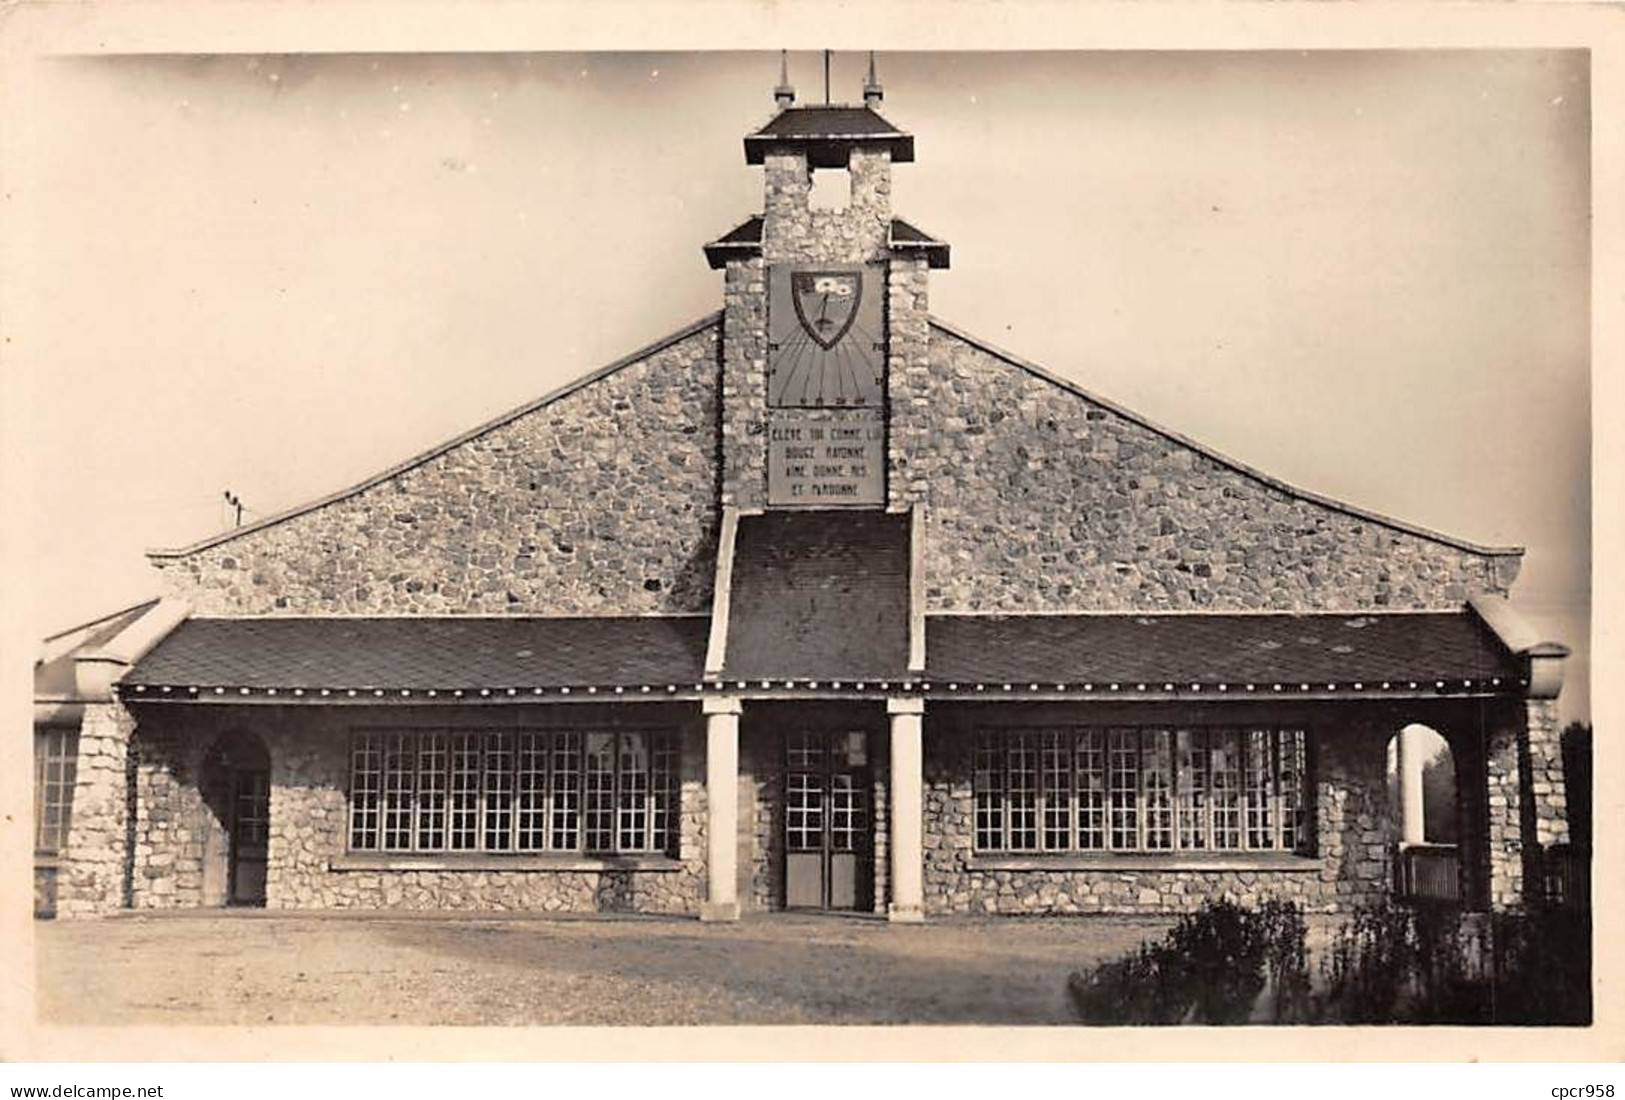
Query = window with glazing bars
x=56 y=766
x=513 y=791
x=1141 y=789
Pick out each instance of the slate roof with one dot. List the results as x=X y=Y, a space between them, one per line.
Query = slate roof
x=819 y=596
x=1320 y=649
x=827 y=133
x=745 y=240
x=421 y=653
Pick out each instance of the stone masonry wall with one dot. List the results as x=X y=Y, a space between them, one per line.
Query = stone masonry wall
x=309 y=751
x=1527 y=804
x=761 y=853
x=90 y=870
x=1041 y=500
x=599 y=502
x=909 y=386
x=1351 y=864
x=175 y=829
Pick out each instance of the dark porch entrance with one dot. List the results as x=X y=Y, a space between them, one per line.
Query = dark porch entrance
x=237 y=789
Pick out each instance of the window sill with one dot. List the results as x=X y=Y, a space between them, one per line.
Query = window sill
x=49 y=862
x=406 y=861
x=1147 y=861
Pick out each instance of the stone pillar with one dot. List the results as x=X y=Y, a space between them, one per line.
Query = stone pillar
x=744 y=385
x=722 y=809
x=1547 y=786
x=907 y=817
x=91 y=879
x=1527 y=803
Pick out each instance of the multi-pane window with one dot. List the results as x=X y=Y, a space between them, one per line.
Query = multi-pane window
x=513 y=791
x=1141 y=790
x=56 y=756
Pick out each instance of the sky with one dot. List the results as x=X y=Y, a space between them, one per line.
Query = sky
x=1365 y=273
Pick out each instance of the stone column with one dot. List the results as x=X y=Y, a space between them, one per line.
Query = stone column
x=1527 y=804
x=91 y=879
x=1547 y=787
x=722 y=809
x=1408 y=751
x=907 y=819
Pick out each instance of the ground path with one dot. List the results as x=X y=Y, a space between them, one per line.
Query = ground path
x=247 y=968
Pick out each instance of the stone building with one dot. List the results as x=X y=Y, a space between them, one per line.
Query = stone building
x=817 y=602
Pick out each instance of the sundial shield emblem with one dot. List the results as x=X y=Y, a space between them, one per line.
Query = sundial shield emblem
x=826 y=303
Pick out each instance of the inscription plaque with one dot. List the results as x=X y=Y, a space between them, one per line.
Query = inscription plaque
x=824 y=458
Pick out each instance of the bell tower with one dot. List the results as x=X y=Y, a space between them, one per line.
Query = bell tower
x=825 y=333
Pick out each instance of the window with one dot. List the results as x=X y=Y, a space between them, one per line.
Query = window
x=1141 y=790
x=520 y=791
x=56 y=765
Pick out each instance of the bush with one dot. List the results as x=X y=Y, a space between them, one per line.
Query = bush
x=1393 y=964
x=1386 y=964
x=1213 y=967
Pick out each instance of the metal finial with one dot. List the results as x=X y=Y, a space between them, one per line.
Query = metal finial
x=872 y=91
x=784 y=94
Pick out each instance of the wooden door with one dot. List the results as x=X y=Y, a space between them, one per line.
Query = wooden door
x=829 y=845
x=250 y=827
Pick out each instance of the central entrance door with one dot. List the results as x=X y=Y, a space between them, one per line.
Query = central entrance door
x=829 y=849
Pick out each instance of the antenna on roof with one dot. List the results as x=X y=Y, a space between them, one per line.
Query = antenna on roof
x=872 y=91
x=784 y=94
x=235 y=501
x=826 y=78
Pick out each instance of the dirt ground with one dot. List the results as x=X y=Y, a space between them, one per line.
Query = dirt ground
x=250 y=968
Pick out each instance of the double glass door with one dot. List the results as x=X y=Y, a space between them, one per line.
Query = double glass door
x=829 y=851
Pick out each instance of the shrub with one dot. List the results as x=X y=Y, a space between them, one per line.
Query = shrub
x=1213 y=967
x=1386 y=964
x=1393 y=964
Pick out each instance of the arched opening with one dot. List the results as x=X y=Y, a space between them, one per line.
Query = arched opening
x=236 y=787
x=1423 y=812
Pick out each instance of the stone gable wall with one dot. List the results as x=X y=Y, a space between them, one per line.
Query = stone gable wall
x=601 y=502
x=1041 y=500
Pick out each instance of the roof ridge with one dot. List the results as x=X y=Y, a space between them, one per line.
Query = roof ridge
x=456 y=441
x=1225 y=460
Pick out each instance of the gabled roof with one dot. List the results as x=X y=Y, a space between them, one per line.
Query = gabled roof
x=1449 y=651
x=826 y=133
x=418 y=654
x=744 y=241
x=53 y=667
x=819 y=596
